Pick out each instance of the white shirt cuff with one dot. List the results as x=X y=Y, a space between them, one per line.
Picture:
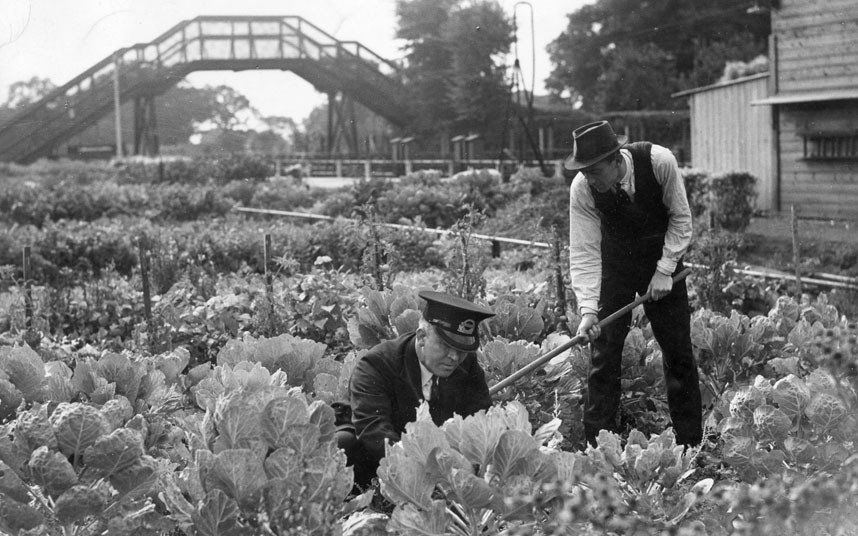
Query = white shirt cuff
x=666 y=266
x=588 y=306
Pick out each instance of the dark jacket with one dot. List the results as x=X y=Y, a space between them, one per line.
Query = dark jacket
x=385 y=391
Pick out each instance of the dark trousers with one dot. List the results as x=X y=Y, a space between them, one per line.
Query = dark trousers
x=364 y=465
x=670 y=318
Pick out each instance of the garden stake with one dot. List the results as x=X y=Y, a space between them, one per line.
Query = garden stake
x=541 y=360
x=28 y=293
x=144 y=278
x=795 y=248
x=269 y=284
x=560 y=303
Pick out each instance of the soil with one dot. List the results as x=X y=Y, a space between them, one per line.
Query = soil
x=825 y=246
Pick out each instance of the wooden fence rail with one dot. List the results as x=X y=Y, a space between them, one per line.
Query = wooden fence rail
x=818 y=279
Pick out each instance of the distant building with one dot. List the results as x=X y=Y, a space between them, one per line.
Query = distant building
x=808 y=155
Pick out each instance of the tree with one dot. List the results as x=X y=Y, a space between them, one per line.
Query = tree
x=477 y=90
x=268 y=142
x=428 y=58
x=628 y=84
x=26 y=92
x=688 y=40
x=454 y=73
x=371 y=129
x=226 y=105
x=179 y=110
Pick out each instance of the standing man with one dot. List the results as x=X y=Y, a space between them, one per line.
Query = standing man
x=629 y=227
x=435 y=363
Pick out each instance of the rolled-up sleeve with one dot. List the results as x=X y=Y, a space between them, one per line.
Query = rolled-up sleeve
x=679 y=227
x=585 y=246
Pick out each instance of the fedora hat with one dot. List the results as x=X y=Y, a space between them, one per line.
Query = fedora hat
x=593 y=142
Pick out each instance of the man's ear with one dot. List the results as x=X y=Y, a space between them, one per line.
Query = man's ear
x=421 y=336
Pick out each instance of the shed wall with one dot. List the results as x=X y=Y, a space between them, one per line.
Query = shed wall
x=728 y=134
x=819 y=188
x=816 y=45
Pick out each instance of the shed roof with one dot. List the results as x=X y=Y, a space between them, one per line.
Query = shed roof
x=809 y=96
x=719 y=85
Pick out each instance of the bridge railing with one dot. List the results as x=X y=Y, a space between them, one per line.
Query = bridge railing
x=226 y=38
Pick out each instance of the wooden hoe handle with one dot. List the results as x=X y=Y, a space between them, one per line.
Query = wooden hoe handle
x=543 y=359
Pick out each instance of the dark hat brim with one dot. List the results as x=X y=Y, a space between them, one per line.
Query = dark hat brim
x=459 y=342
x=456 y=320
x=573 y=164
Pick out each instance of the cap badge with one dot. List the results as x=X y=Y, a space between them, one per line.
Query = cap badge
x=467 y=327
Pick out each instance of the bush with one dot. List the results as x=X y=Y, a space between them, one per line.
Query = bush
x=716 y=250
x=199 y=170
x=728 y=198
x=696 y=189
x=733 y=197
x=280 y=195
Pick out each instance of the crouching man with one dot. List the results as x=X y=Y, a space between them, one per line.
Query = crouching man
x=435 y=363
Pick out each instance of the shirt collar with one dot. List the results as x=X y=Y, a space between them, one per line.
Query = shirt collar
x=626 y=180
x=425 y=375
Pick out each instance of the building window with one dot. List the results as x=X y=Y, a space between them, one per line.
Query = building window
x=830 y=145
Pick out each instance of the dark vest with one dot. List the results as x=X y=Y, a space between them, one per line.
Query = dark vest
x=633 y=231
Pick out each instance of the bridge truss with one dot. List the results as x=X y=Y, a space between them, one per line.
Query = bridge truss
x=345 y=70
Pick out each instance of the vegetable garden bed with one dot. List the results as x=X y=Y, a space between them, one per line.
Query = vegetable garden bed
x=213 y=414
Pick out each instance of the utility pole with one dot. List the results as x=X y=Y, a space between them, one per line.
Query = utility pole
x=117 y=105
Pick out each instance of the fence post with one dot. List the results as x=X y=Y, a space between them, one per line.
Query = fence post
x=144 y=277
x=409 y=167
x=266 y=256
x=796 y=256
x=338 y=165
x=28 y=292
x=269 y=285
x=367 y=169
x=560 y=304
x=451 y=168
x=496 y=249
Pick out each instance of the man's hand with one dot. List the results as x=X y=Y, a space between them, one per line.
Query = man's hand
x=589 y=326
x=660 y=285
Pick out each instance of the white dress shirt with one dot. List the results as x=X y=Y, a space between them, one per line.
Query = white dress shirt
x=585 y=228
x=426 y=382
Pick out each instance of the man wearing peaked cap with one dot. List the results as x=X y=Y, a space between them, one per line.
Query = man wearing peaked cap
x=629 y=226
x=435 y=363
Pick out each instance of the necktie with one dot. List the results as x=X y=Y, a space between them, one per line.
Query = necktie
x=620 y=195
x=434 y=392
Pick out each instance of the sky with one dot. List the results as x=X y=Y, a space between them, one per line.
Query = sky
x=59 y=39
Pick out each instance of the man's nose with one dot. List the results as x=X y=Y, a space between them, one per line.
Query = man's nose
x=458 y=355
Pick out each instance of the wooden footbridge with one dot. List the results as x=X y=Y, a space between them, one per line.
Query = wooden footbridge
x=345 y=70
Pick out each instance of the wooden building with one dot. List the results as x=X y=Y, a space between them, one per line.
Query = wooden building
x=812 y=101
x=813 y=95
x=728 y=134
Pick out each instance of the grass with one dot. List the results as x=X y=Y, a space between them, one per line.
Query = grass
x=825 y=246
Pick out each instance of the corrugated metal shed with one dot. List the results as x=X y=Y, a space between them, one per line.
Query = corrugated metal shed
x=728 y=134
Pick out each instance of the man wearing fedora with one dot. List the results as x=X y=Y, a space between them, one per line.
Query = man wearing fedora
x=436 y=363
x=629 y=227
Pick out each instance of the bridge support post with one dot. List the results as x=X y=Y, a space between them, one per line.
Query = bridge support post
x=342 y=124
x=145 y=126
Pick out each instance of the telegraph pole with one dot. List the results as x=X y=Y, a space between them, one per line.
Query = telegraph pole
x=117 y=105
